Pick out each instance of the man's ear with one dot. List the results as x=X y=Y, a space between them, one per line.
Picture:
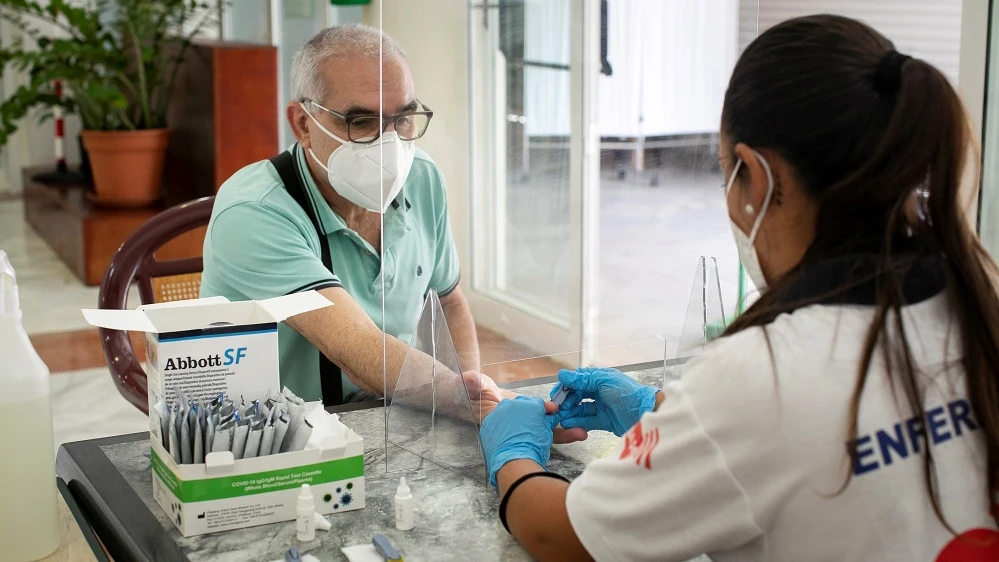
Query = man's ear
x=298 y=119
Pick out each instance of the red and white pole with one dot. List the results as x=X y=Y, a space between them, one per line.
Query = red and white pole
x=60 y=131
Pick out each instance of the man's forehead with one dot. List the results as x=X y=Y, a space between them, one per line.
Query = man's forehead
x=357 y=85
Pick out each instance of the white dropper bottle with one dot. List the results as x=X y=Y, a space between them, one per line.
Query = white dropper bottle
x=404 y=516
x=305 y=522
x=28 y=508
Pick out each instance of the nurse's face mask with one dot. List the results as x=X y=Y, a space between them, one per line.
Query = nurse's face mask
x=745 y=243
x=369 y=175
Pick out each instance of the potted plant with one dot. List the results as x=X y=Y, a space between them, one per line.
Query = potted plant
x=117 y=61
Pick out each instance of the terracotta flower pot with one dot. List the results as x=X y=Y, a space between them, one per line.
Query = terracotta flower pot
x=127 y=165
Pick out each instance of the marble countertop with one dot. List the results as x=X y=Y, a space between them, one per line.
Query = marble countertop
x=456 y=517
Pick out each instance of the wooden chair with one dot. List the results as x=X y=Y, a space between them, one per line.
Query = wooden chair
x=158 y=281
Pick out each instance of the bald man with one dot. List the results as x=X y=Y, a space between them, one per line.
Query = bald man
x=311 y=219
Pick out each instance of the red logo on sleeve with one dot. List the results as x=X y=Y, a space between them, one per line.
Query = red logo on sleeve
x=976 y=545
x=638 y=444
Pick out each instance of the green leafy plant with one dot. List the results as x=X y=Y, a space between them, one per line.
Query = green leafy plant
x=116 y=59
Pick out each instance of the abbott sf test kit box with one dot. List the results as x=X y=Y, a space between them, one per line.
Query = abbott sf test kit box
x=205 y=347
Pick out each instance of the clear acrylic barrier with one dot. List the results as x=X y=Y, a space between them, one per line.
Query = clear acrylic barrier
x=705 y=319
x=557 y=234
x=434 y=413
x=430 y=416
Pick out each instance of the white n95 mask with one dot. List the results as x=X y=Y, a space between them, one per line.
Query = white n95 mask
x=368 y=175
x=745 y=244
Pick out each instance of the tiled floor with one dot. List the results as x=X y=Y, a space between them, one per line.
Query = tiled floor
x=51 y=296
x=86 y=405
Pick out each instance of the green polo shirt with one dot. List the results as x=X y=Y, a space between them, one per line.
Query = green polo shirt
x=261 y=244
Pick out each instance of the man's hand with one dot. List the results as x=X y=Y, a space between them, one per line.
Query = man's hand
x=483 y=389
x=482 y=392
x=564 y=435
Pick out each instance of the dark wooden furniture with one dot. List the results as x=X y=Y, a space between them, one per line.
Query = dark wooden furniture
x=158 y=279
x=86 y=236
x=223 y=116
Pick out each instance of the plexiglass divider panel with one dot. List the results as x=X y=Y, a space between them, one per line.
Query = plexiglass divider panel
x=517 y=126
x=434 y=410
x=705 y=318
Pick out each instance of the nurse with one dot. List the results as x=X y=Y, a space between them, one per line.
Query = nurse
x=852 y=413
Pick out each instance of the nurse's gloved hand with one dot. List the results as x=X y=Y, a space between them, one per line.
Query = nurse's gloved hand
x=517 y=429
x=619 y=401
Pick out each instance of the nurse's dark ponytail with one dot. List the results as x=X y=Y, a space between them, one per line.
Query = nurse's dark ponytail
x=869 y=132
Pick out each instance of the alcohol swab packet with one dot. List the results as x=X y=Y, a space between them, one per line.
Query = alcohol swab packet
x=297 y=416
x=210 y=423
x=301 y=436
x=162 y=418
x=267 y=441
x=280 y=431
x=199 y=438
x=239 y=436
x=292 y=397
x=186 y=438
x=174 y=438
x=256 y=435
x=223 y=437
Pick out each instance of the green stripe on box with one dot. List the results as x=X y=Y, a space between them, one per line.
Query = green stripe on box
x=165 y=475
x=208 y=489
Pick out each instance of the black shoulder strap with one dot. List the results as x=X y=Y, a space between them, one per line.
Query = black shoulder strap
x=329 y=372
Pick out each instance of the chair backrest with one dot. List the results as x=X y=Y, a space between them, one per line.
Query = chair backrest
x=157 y=280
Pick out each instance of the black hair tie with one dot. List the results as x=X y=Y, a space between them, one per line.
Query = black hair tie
x=888 y=76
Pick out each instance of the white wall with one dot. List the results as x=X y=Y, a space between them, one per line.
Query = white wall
x=33 y=144
x=434 y=35
x=928 y=29
x=950 y=34
x=972 y=58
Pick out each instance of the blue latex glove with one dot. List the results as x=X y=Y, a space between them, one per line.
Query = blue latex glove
x=517 y=429
x=619 y=401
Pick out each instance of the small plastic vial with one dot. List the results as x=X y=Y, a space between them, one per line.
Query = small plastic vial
x=305 y=522
x=403 y=506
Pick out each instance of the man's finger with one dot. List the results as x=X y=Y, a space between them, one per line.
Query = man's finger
x=561 y=436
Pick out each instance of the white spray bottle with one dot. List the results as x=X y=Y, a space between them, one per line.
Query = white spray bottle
x=28 y=491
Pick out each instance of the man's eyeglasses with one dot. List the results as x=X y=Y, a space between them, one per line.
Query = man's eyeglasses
x=366 y=129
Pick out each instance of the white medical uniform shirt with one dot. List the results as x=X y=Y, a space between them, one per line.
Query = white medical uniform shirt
x=744 y=462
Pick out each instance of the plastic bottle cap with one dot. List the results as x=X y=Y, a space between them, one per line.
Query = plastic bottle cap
x=322 y=523
x=403 y=489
